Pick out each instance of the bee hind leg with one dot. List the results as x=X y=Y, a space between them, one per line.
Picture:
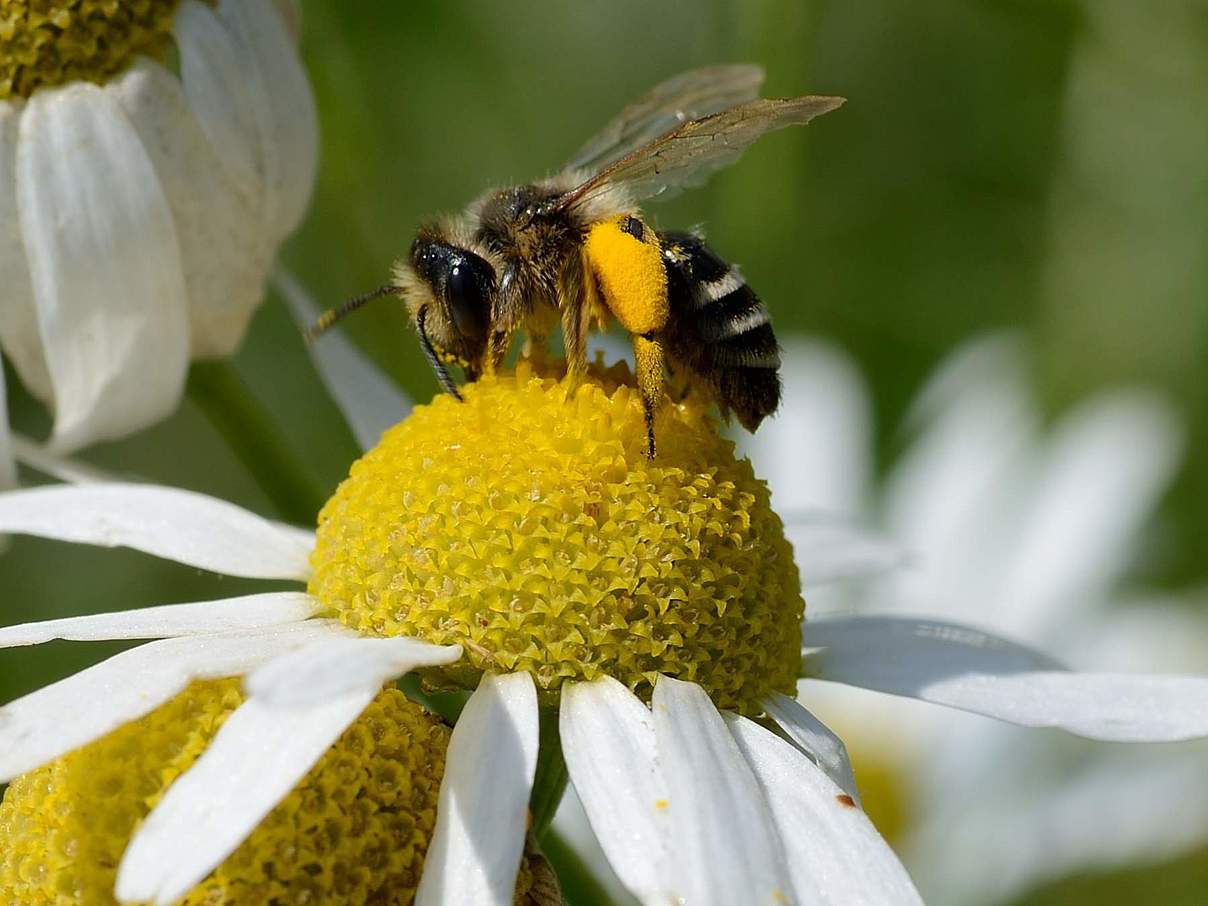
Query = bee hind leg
x=648 y=357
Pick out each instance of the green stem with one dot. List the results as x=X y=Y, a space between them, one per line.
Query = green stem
x=253 y=435
x=550 y=782
x=579 y=885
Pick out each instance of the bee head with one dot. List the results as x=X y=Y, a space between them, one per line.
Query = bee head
x=460 y=289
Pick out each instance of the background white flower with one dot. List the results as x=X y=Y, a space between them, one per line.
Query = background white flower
x=139 y=216
x=1023 y=529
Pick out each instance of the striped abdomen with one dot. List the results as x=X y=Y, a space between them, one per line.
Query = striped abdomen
x=719 y=330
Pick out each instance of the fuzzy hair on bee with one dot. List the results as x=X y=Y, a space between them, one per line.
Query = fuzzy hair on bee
x=574 y=251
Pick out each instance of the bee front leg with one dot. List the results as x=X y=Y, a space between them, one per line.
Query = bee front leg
x=498 y=344
x=648 y=357
x=575 y=308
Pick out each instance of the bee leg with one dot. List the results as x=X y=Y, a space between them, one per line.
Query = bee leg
x=576 y=315
x=648 y=355
x=438 y=367
x=497 y=350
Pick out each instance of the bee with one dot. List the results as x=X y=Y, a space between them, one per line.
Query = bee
x=574 y=250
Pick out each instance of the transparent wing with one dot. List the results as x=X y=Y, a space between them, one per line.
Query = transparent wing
x=691 y=152
x=687 y=96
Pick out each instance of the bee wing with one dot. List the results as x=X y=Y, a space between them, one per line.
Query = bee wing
x=687 y=96
x=690 y=153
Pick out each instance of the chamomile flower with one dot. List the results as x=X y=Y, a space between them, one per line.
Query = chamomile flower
x=1027 y=530
x=152 y=157
x=521 y=544
x=356 y=827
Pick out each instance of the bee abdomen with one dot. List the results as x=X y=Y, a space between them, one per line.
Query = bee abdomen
x=720 y=330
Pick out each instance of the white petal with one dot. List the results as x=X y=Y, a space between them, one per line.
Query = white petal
x=56 y=465
x=573 y=827
x=1107 y=466
x=480 y=821
x=816 y=453
x=369 y=400
x=966 y=669
x=953 y=496
x=1114 y=707
x=291 y=15
x=611 y=752
x=178 y=525
x=1103 y=809
x=726 y=847
x=224 y=250
x=8 y=464
x=834 y=853
x=334 y=666
x=104 y=263
x=815 y=739
x=906 y=653
x=170 y=620
x=828 y=548
x=245 y=83
x=284 y=106
x=215 y=70
x=19 y=334
x=258 y=756
x=61 y=717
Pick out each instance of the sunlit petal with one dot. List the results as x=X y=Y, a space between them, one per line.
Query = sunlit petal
x=63 y=716
x=726 y=847
x=474 y=855
x=815 y=739
x=169 y=620
x=609 y=743
x=963 y=668
x=334 y=666
x=178 y=525
x=834 y=853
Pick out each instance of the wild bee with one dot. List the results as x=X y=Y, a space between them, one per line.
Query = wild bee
x=575 y=249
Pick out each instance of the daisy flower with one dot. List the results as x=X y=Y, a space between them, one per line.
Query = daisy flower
x=1024 y=529
x=152 y=157
x=520 y=544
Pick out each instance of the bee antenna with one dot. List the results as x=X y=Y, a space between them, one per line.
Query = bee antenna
x=333 y=316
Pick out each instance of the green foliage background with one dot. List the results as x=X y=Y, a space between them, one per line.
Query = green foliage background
x=1035 y=164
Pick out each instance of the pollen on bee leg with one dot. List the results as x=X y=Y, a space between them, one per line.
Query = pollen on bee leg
x=629 y=274
x=648 y=357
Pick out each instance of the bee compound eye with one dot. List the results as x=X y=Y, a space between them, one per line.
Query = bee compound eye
x=633 y=227
x=468 y=292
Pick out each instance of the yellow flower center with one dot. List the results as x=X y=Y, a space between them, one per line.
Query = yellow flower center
x=528 y=525
x=53 y=42
x=354 y=831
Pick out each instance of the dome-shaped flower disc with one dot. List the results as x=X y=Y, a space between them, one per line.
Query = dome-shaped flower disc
x=356 y=829
x=527 y=525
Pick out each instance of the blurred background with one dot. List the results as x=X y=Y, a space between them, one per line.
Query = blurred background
x=1000 y=164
